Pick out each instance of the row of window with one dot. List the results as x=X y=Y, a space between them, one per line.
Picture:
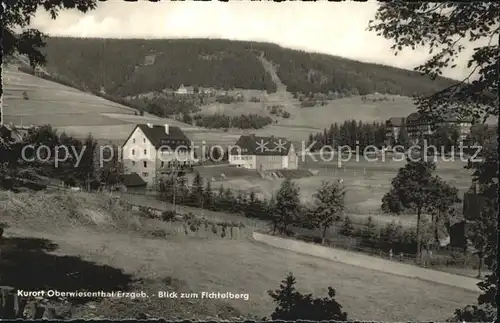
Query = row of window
x=169 y=164
x=143 y=139
x=145 y=163
x=242 y=157
x=270 y=158
x=145 y=151
x=163 y=150
x=163 y=142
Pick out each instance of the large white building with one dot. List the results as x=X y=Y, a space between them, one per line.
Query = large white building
x=263 y=153
x=152 y=151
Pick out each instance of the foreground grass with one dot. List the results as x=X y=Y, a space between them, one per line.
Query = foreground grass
x=196 y=264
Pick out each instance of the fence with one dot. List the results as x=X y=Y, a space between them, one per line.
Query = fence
x=436 y=259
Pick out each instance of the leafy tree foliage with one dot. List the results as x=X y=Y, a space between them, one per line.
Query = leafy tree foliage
x=85 y=171
x=287 y=205
x=483 y=225
x=347 y=228
x=403 y=137
x=110 y=174
x=443 y=203
x=391 y=236
x=444 y=28
x=484 y=234
x=391 y=203
x=18 y=14
x=197 y=190
x=329 y=203
x=292 y=305
x=369 y=233
x=414 y=187
x=480 y=133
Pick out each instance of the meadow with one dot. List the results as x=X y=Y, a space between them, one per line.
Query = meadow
x=79 y=113
x=365 y=182
x=97 y=234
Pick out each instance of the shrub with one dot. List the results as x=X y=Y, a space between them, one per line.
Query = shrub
x=159 y=233
x=146 y=212
x=292 y=305
x=347 y=228
x=214 y=229
x=168 y=216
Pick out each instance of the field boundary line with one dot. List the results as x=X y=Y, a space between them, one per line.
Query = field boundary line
x=368 y=262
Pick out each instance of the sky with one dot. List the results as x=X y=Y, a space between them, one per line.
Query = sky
x=324 y=27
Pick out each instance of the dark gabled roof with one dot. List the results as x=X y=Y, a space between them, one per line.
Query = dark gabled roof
x=5 y=132
x=158 y=137
x=261 y=146
x=133 y=180
x=418 y=118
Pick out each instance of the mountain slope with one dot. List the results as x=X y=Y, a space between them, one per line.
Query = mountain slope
x=132 y=66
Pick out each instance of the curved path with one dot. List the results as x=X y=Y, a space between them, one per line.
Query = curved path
x=369 y=262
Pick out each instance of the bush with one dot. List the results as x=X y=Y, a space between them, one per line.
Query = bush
x=474 y=314
x=168 y=216
x=159 y=233
x=347 y=228
x=293 y=305
x=146 y=212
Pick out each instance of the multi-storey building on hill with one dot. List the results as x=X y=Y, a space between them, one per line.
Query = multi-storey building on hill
x=152 y=150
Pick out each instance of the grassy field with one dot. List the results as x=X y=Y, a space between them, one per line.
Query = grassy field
x=79 y=113
x=366 y=182
x=108 y=247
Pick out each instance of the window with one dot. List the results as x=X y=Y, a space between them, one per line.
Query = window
x=144 y=140
x=145 y=174
x=145 y=151
x=133 y=140
x=145 y=164
x=133 y=163
x=162 y=164
x=133 y=151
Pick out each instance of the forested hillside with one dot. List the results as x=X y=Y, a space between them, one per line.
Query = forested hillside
x=132 y=66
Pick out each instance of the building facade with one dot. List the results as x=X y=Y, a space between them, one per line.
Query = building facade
x=152 y=151
x=392 y=129
x=263 y=153
x=421 y=128
x=183 y=90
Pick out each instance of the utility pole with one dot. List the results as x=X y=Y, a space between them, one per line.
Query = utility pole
x=1 y=111
x=175 y=188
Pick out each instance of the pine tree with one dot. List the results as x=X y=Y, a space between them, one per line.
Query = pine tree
x=369 y=233
x=196 y=193
x=287 y=204
x=208 y=196
x=403 y=138
x=292 y=305
x=347 y=228
x=329 y=203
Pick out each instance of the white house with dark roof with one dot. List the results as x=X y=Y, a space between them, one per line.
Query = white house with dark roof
x=152 y=150
x=185 y=90
x=263 y=153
